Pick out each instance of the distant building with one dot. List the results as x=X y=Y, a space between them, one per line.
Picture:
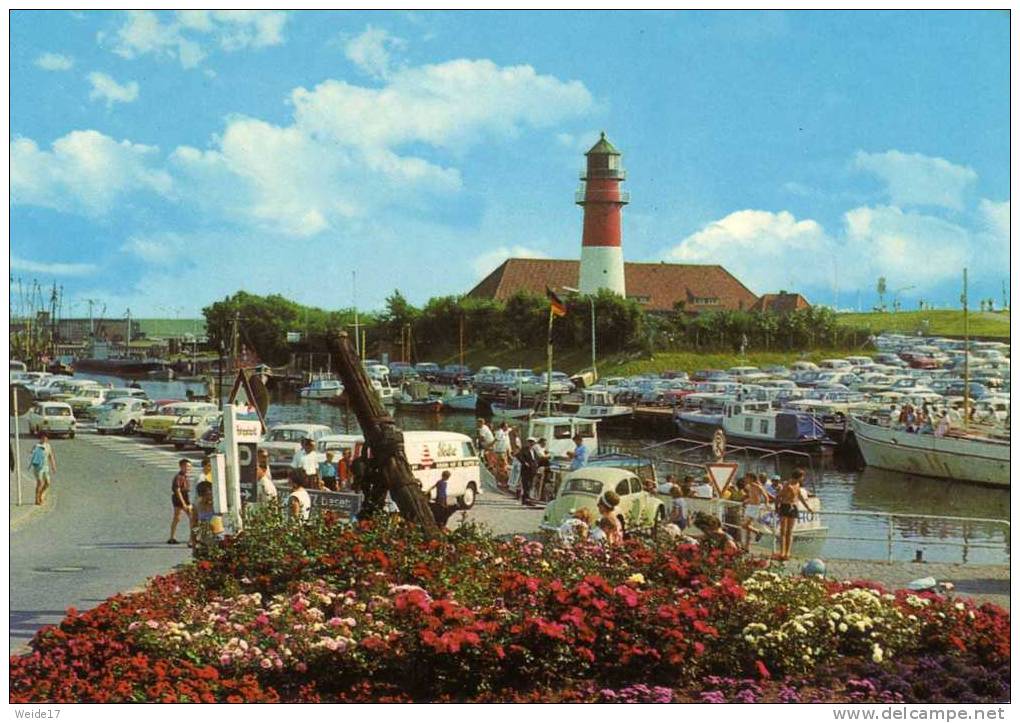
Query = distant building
x=781 y=303
x=657 y=287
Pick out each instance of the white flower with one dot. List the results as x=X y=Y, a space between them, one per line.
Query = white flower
x=843 y=628
x=959 y=606
x=876 y=653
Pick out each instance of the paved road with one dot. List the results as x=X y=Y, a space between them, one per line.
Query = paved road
x=103 y=531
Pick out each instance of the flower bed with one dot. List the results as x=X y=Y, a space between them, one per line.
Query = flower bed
x=330 y=612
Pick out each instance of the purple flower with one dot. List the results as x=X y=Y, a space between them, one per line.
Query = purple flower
x=713 y=696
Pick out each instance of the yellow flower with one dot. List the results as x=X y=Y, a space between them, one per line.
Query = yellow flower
x=636 y=579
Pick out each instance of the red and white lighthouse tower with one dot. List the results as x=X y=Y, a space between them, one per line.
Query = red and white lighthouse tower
x=603 y=202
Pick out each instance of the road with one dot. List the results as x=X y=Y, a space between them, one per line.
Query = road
x=105 y=526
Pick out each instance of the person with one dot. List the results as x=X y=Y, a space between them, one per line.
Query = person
x=441 y=510
x=299 y=502
x=266 y=490
x=755 y=501
x=713 y=537
x=345 y=470
x=529 y=466
x=579 y=455
x=678 y=513
x=515 y=441
x=206 y=473
x=485 y=435
x=180 y=498
x=687 y=486
x=44 y=466
x=704 y=490
x=501 y=451
x=667 y=487
x=607 y=504
x=786 y=506
x=605 y=532
x=327 y=472
x=576 y=528
x=648 y=485
x=201 y=514
x=307 y=460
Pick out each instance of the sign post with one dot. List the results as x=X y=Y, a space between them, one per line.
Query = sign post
x=219 y=483
x=233 y=486
x=722 y=473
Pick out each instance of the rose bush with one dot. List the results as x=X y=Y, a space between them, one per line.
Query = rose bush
x=334 y=612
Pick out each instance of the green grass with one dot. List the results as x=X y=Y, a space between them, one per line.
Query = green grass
x=949 y=322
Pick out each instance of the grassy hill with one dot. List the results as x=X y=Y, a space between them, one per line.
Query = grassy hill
x=938 y=322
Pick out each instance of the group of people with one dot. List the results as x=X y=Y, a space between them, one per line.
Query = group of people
x=521 y=466
x=328 y=470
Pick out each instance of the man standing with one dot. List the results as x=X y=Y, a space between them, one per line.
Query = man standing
x=307 y=460
x=579 y=457
x=485 y=435
x=44 y=466
x=180 y=498
x=345 y=470
x=529 y=466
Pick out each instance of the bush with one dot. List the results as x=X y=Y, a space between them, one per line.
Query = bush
x=329 y=611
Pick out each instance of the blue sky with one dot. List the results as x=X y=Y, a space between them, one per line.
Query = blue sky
x=160 y=161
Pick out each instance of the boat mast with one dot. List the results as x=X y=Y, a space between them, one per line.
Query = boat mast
x=966 y=355
x=357 y=332
x=462 y=339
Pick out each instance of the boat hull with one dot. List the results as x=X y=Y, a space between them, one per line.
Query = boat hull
x=951 y=458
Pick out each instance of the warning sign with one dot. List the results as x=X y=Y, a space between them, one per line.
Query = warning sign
x=243 y=396
x=722 y=473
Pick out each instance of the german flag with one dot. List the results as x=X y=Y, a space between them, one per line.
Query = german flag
x=556 y=306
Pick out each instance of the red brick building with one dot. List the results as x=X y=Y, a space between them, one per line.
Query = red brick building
x=657 y=287
x=781 y=303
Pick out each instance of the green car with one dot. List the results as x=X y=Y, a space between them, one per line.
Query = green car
x=582 y=488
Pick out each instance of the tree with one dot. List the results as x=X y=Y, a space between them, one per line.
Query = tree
x=882 y=289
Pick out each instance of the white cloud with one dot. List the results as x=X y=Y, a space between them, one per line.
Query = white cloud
x=913 y=179
x=159 y=249
x=341 y=158
x=765 y=250
x=84 y=170
x=144 y=33
x=51 y=269
x=451 y=105
x=485 y=263
x=370 y=51
x=107 y=89
x=54 y=62
x=910 y=249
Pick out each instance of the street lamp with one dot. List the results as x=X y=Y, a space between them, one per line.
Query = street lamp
x=591 y=300
x=896 y=295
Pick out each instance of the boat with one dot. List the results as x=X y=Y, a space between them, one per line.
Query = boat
x=757 y=424
x=414 y=397
x=461 y=399
x=166 y=374
x=508 y=413
x=598 y=404
x=323 y=387
x=957 y=454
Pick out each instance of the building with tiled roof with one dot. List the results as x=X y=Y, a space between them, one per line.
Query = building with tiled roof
x=781 y=303
x=655 y=286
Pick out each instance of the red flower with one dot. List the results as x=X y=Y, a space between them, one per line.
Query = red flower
x=763 y=672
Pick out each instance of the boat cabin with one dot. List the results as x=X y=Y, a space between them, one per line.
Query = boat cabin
x=559 y=433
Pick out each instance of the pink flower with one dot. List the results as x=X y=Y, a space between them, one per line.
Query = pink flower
x=225 y=659
x=266 y=663
x=152 y=624
x=335 y=622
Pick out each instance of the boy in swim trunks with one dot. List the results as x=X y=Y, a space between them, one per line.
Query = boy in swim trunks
x=786 y=506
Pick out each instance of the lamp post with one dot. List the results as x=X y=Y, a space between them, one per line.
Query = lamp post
x=591 y=301
x=896 y=295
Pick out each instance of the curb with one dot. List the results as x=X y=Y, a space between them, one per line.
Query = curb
x=21 y=514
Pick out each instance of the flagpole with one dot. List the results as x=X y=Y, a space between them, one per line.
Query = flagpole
x=548 y=377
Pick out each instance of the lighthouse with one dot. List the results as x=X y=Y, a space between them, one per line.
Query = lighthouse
x=603 y=201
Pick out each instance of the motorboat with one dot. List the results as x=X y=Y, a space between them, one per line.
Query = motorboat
x=599 y=404
x=461 y=399
x=322 y=388
x=946 y=453
x=757 y=424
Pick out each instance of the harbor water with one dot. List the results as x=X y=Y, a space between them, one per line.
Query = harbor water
x=841 y=488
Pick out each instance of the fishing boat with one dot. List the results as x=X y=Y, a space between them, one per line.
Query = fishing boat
x=414 y=397
x=959 y=455
x=461 y=399
x=598 y=404
x=509 y=413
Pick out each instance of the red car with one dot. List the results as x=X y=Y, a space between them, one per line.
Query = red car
x=919 y=361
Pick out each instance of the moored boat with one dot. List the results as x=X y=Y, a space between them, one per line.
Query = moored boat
x=756 y=424
x=955 y=455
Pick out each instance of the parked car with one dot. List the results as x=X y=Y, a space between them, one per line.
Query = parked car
x=977 y=391
x=454 y=374
x=429 y=371
x=54 y=418
x=87 y=400
x=121 y=414
x=582 y=488
x=156 y=424
x=190 y=428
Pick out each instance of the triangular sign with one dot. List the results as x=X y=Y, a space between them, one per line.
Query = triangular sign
x=241 y=395
x=722 y=473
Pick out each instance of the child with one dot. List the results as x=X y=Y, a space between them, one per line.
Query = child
x=328 y=472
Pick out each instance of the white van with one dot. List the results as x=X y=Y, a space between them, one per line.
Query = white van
x=431 y=453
